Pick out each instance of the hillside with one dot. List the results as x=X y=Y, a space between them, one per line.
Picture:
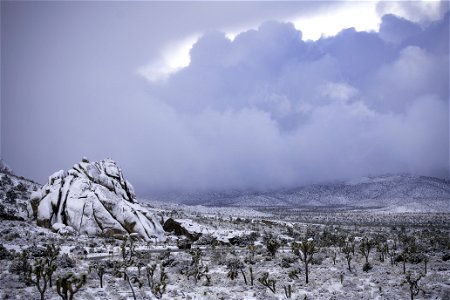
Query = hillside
x=15 y=192
x=402 y=192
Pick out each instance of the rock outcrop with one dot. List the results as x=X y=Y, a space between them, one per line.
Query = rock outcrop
x=94 y=199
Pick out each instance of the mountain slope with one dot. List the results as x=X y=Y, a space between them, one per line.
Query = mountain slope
x=15 y=192
x=395 y=192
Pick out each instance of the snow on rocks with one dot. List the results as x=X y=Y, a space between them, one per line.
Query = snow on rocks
x=93 y=198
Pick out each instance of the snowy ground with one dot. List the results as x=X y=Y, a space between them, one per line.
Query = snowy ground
x=218 y=225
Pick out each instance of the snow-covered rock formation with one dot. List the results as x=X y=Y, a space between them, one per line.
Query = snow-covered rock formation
x=94 y=199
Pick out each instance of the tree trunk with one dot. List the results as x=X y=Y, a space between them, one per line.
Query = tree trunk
x=306 y=273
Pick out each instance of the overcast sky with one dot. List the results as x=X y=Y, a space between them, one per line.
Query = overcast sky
x=217 y=95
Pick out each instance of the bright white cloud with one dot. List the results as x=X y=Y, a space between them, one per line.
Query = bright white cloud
x=360 y=15
x=421 y=12
x=173 y=57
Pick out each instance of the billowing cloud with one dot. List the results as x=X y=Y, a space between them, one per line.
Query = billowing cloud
x=269 y=109
x=229 y=99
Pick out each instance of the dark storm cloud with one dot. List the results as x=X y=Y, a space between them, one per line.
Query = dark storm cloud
x=265 y=110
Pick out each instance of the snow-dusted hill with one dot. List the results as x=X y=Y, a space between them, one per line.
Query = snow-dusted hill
x=401 y=192
x=93 y=198
x=15 y=194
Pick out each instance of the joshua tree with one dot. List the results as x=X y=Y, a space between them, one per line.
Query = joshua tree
x=197 y=269
x=121 y=269
x=288 y=291
x=250 y=270
x=269 y=283
x=305 y=251
x=127 y=249
x=347 y=250
x=272 y=244
x=383 y=249
x=365 y=247
x=234 y=266
x=293 y=274
x=100 y=269
x=38 y=275
x=392 y=252
x=158 y=288
x=21 y=266
x=425 y=261
x=130 y=280
x=150 y=272
x=251 y=254
x=52 y=253
x=341 y=277
x=413 y=282
x=69 y=284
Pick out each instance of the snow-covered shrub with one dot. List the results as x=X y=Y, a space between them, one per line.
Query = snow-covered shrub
x=64 y=261
x=4 y=253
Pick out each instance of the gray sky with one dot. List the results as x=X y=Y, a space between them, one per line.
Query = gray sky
x=265 y=109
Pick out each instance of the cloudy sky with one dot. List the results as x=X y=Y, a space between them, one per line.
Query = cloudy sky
x=218 y=95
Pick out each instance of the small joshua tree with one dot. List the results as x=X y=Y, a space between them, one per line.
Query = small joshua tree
x=288 y=291
x=383 y=249
x=127 y=249
x=267 y=282
x=100 y=269
x=272 y=244
x=425 y=261
x=38 y=275
x=197 y=269
x=392 y=252
x=305 y=251
x=293 y=274
x=251 y=254
x=150 y=273
x=234 y=266
x=158 y=288
x=21 y=266
x=365 y=247
x=121 y=269
x=347 y=250
x=413 y=282
x=52 y=253
x=69 y=284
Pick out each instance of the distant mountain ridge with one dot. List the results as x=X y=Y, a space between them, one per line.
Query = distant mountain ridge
x=400 y=192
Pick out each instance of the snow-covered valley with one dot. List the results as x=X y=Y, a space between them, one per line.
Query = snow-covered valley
x=211 y=252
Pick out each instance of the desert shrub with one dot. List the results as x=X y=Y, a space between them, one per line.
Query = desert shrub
x=64 y=261
x=286 y=261
x=184 y=244
x=11 y=236
x=4 y=253
x=20 y=266
x=367 y=267
x=207 y=239
x=36 y=251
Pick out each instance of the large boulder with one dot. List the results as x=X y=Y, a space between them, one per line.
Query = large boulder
x=94 y=199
